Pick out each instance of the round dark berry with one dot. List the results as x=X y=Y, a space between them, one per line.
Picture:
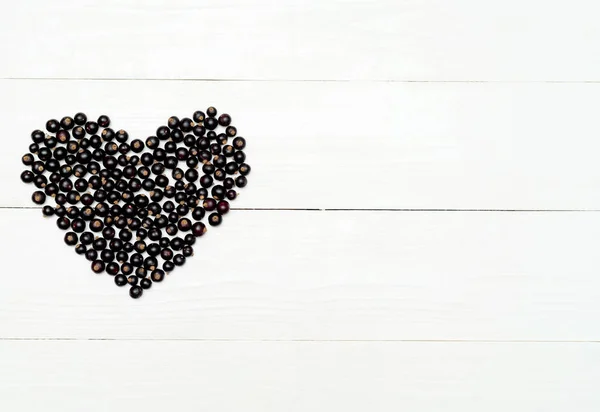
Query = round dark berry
x=173 y=122
x=198 y=229
x=210 y=204
x=52 y=125
x=146 y=283
x=239 y=143
x=38 y=197
x=224 y=119
x=27 y=176
x=120 y=280
x=86 y=238
x=98 y=266
x=71 y=238
x=163 y=133
x=179 y=259
x=211 y=123
x=244 y=169
x=157 y=275
x=215 y=219
x=241 y=181
x=136 y=292
x=91 y=255
x=112 y=268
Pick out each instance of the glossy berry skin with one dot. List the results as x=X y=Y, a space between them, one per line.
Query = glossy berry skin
x=96 y=225
x=185 y=125
x=73 y=212
x=179 y=259
x=153 y=249
x=91 y=255
x=103 y=121
x=239 y=143
x=78 y=225
x=136 y=292
x=122 y=256
x=136 y=259
x=145 y=283
x=80 y=119
x=48 y=210
x=244 y=169
x=71 y=238
x=78 y=132
x=199 y=116
x=231 y=131
x=91 y=127
x=177 y=243
x=166 y=254
x=52 y=126
x=184 y=225
x=198 y=213
x=28 y=159
x=152 y=142
x=209 y=204
x=27 y=176
x=223 y=207
x=112 y=268
x=211 y=123
x=87 y=238
x=215 y=219
x=150 y=263
x=173 y=122
x=137 y=146
x=157 y=275
x=231 y=168
x=98 y=266
x=225 y=120
x=120 y=280
x=122 y=136
x=38 y=136
x=107 y=255
x=38 y=197
x=198 y=229
x=211 y=111
x=218 y=192
x=141 y=272
x=38 y=167
x=163 y=133
x=241 y=181
x=99 y=244
x=228 y=183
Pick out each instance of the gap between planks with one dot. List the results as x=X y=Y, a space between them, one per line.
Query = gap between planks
x=188 y=79
x=300 y=340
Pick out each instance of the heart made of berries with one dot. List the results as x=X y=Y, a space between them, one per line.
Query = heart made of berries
x=136 y=196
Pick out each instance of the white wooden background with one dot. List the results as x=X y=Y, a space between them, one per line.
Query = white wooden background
x=420 y=232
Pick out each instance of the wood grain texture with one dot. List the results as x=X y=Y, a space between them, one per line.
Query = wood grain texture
x=435 y=40
x=346 y=104
x=298 y=376
x=356 y=145
x=323 y=276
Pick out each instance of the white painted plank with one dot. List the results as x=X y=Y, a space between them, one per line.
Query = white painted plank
x=356 y=145
x=298 y=376
x=323 y=275
x=462 y=40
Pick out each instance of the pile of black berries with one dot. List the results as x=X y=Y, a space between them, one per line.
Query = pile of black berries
x=134 y=209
